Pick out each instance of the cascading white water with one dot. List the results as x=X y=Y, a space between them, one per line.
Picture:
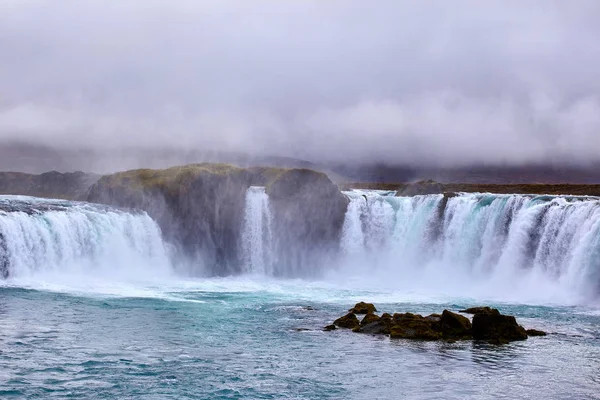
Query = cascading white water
x=40 y=237
x=511 y=242
x=257 y=238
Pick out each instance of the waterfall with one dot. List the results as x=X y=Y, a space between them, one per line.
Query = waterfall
x=51 y=236
x=257 y=238
x=498 y=239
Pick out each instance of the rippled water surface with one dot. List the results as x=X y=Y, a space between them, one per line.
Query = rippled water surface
x=228 y=339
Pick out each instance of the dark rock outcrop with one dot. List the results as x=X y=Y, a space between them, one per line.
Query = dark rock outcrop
x=200 y=209
x=349 y=321
x=497 y=328
x=309 y=211
x=363 y=308
x=535 y=332
x=480 y=310
x=369 y=319
x=488 y=324
x=413 y=326
x=454 y=326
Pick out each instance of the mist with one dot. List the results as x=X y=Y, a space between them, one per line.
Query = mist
x=412 y=82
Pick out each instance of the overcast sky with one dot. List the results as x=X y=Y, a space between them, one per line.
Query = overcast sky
x=450 y=82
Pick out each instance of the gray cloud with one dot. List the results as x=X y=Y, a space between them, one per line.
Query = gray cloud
x=396 y=81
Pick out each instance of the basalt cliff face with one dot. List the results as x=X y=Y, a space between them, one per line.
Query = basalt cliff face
x=200 y=209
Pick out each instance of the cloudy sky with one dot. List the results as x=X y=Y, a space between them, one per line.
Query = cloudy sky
x=445 y=82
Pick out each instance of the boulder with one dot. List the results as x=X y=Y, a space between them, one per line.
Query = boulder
x=535 y=332
x=369 y=318
x=480 y=310
x=348 y=321
x=363 y=308
x=330 y=328
x=380 y=327
x=497 y=328
x=453 y=326
x=434 y=317
x=414 y=328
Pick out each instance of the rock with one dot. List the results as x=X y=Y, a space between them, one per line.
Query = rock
x=363 y=308
x=381 y=327
x=369 y=318
x=348 y=321
x=414 y=328
x=454 y=326
x=308 y=216
x=200 y=210
x=535 y=332
x=308 y=308
x=378 y=325
x=480 y=310
x=330 y=328
x=497 y=328
x=434 y=317
x=398 y=317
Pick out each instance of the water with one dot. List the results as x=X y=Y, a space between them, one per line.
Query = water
x=237 y=338
x=509 y=247
x=98 y=312
x=257 y=237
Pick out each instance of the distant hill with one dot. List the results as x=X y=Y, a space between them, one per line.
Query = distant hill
x=36 y=159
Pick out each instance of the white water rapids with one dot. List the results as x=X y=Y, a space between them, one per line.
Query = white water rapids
x=44 y=237
x=507 y=247
x=531 y=246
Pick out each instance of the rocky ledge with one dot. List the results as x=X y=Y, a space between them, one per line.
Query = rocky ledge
x=488 y=325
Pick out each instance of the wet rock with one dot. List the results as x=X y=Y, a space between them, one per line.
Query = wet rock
x=480 y=310
x=488 y=324
x=414 y=328
x=378 y=325
x=348 y=321
x=454 y=326
x=369 y=318
x=308 y=308
x=330 y=328
x=434 y=317
x=381 y=327
x=399 y=317
x=363 y=308
x=497 y=328
x=535 y=332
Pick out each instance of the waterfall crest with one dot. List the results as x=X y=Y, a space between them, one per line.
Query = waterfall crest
x=486 y=237
x=48 y=236
x=257 y=240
